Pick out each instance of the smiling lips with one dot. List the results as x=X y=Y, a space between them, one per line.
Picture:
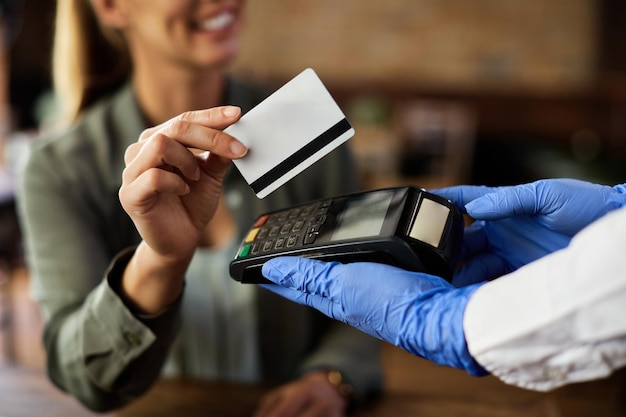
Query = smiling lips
x=219 y=22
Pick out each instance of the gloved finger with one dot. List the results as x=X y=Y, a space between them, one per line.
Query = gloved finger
x=335 y=281
x=306 y=275
x=460 y=195
x=483 y=267
x=507 y=202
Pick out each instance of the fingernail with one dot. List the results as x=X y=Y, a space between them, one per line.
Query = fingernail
x=238 y=148
x=231 y=111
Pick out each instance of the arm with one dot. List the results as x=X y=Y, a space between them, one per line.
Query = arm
x=106 y=339
x=91 y=338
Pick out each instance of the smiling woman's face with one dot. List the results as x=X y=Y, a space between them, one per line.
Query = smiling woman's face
x=194 y=33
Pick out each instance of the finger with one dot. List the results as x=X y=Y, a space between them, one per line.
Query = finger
x=201 y=130
x=305 y=275
x=328 y=306
x=483 y=267
x=157 y=152
x=131 y=152
x=321 y=409
x=266 y=404
x=213 y=165
x=286 y=405
x=204 y=138
x=506 y=202
x=216 y=118
x=138 y=196
x=280 y=270
x=311 y=282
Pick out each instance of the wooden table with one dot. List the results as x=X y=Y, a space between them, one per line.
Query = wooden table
x=437 y=392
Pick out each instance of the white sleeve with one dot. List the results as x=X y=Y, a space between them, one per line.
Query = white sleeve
x=559 y=320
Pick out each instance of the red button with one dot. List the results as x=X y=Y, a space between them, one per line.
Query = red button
x=261 y=221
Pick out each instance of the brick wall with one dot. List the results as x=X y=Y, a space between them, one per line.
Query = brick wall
x=477 y=45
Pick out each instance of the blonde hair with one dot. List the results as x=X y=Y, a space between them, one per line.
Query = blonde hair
x=88 y=59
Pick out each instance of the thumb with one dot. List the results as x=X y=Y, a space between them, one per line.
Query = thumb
x=278 y=270
x=306 y=275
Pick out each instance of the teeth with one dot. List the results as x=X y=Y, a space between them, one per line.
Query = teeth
x=218 y=22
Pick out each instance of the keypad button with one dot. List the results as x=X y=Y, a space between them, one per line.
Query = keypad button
x=297 y=226
x=313 y=229
x=318 y=219
x=286 y=228
x=268 y=245
x=274 y=230
x=256 y=247
x=261 y=220
x=292 y=240
x=252 y=235
x=309 y=238
x=245 y=250
x=263 y=233
x=280 y=243
x=322 y=210
x=308 y=210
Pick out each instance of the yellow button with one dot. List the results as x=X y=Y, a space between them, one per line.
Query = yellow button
x=252 y=234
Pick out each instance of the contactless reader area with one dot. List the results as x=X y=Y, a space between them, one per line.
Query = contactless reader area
x=402 y=226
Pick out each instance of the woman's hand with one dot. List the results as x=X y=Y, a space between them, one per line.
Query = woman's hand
x=311 y=396
x=171 y=187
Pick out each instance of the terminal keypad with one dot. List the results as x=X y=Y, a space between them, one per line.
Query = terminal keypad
x=285 y=229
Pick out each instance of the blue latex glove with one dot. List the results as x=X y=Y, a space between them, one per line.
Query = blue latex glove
x=420 y=313
x=520 y=224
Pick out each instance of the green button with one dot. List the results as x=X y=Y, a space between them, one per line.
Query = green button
x=245 y=250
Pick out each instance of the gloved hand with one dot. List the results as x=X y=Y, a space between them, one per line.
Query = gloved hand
x=420 y=313
x=520 y=224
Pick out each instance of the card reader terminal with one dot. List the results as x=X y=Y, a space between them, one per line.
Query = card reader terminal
x=403 y=226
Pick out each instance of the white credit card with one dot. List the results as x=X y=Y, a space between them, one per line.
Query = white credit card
x=289 y=131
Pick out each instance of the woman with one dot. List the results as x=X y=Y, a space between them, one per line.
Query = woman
x=134 y=291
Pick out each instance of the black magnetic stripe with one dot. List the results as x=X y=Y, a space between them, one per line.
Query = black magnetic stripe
x=302 y=154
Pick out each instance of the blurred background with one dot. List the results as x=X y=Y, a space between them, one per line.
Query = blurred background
x=447 y=91
x=483 y=91
x=440 y=92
